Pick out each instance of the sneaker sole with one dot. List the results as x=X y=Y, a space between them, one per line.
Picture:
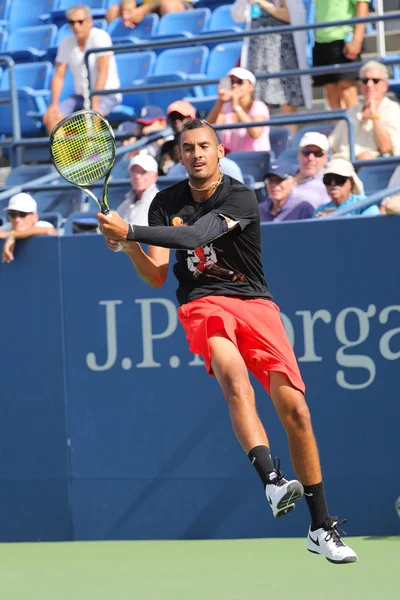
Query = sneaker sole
x=346 y=561
x=284 y=511
x=294 y=493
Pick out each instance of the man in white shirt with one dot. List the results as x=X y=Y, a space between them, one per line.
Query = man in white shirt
x=376 y=121
x=103 y=71
x=143 y=173
x=23 y=223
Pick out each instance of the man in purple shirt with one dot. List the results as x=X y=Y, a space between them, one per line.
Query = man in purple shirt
x=312 y=155
x=281 y=203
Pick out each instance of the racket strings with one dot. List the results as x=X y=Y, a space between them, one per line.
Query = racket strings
x=83 y=149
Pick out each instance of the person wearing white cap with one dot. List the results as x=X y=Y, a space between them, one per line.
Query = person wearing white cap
x=344 y=187
x=312 y=156
x=143 y=173
x=236 y=104
x=23 y=223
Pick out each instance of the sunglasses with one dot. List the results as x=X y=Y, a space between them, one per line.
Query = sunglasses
x=316 y=153
x=329 y=179
x=13 y=214
x=79 y=21
x=365 y=80
x=237 y=81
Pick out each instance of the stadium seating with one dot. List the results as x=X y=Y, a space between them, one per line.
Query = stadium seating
x=376 y=177
x=24 y=13
x=221 y=20
x=98 y=9
x=325 y=128
x=190 y=22
x=54 y=218
x=289 y=155
x=79 y=222
x=252 y=163
x=143 y=31
x=29 y=44
x=280 y=139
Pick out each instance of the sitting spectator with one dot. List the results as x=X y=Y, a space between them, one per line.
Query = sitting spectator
x=132 y=14
x=150 y=120
x=391 y=204
x=281 y=204
x=312 y=156
x=178 y=113
x=23 y=223
x=143 y=173
x=376 y=121
x=344 y=187
x=103 y=71
x=237 y=105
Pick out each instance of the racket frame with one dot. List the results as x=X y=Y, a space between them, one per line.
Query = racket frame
x=103 y=204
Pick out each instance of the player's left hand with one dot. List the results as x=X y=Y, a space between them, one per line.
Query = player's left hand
x=112 y=226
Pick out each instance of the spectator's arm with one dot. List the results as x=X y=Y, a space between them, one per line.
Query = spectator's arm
x=32 y=231
x=244 y=117
x=382 y=137
x=280 y=13
x=103 y=62
x=57 y=83
x=352 y=49
x=215 y=115
x=337 y=135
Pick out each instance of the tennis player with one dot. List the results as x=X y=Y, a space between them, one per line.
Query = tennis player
x=230 y=319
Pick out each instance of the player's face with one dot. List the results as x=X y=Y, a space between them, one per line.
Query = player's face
x=200 y=152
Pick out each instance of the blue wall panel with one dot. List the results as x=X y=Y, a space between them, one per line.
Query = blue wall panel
x=152 y=454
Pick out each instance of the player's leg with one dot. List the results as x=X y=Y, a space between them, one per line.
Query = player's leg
x=231 y=372
x=294 y=414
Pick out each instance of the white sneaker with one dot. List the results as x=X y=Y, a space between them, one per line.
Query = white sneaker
x=282 y=494
x=327 y=541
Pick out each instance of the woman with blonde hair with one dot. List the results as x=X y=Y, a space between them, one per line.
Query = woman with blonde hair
x=236 y=104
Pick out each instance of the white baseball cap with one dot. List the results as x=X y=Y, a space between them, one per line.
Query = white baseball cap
x=22 y=202
x=242 y=73
x=147 y=162
x=314 y=138
x=340 y=166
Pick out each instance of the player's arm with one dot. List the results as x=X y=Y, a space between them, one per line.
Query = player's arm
x=151 y=267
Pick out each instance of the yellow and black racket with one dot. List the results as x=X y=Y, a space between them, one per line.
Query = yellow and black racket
x=82 y=148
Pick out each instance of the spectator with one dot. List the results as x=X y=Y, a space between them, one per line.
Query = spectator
x=178 y=113
x=376 y=121
x=391 y=204
x=312 y=155
x=103 y=71
x=339 y=44
x=132 y=14
x=150 y=120
x=344 y=187
x=143 y=173
x=23 y=223
x=276 y=52
x=237 y=105
x=281 y=204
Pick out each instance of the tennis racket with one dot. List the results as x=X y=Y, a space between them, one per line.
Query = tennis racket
x=82 y=148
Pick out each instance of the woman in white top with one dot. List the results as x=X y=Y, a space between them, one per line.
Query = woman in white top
x=237 y=105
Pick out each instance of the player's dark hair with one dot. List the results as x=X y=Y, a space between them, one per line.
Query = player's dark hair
x=197 y=124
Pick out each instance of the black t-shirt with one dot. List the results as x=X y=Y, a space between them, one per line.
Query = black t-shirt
x=229 y=265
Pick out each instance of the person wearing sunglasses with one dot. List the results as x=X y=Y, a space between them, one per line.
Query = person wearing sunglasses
x=312 y=156
x=376 y=119
x=236 y=104
x=103 y=72
x=344 y=187
x=23 y=222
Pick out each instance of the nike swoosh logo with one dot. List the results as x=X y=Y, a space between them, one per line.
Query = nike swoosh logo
x=305 y=493
x=253 y=460
x=316 y=542
x=269 y=500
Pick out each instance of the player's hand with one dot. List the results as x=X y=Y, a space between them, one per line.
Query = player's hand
x=112 y=226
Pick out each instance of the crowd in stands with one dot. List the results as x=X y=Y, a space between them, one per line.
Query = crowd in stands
x=316 y=181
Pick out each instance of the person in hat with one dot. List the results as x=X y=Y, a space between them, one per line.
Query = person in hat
x=151 y=119
x=143 y=173
x=23 y=223
x=281 y=203
x=312 y=156
x=103 y=72
x=178 y=113
x=236 y=104
x=344 y=187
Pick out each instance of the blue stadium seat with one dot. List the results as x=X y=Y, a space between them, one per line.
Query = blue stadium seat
x=4 y=9
x=120 y=169
x=221 y=20
x=222 y=58
x=80 y=222
x=192 y=22
x=33 y=81
x=280 y=139
x=325 y=128
x=132 y=66
x=376 y=177
x=25 y=173
x=252 y=163
x=55 y=218
x=165 y=182
x=29 y=44
x=188 y=61
x=290 y=155
x=143 y=31
x=26 y=13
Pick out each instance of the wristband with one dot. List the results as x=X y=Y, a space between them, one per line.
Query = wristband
x=131 y=233
x=375 y=117
x=238 y=109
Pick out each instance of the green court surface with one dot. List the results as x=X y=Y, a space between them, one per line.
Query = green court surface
x=278 y=569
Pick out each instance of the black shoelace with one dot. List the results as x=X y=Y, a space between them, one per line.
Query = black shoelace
x=280 y=480
x=332 y=531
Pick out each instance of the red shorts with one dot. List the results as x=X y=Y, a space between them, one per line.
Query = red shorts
x=253 y=325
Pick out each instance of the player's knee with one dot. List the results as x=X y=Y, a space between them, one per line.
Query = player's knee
x=237 y=389
x=298 y=417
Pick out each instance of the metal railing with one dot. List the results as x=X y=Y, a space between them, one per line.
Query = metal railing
x=365 y=203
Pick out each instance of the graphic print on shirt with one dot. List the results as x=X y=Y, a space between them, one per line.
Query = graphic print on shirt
x=205 y=261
